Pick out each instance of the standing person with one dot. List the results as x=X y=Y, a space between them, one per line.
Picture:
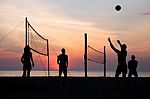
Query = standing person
x=26 y=59
x=62 y=60
x=122 y=65
x=132 y=65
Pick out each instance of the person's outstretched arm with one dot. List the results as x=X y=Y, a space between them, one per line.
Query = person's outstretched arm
x=67 y=61
x=32 y=60
x=112 y=46
x=22 y=58
x=136 y=64
x=57 y=59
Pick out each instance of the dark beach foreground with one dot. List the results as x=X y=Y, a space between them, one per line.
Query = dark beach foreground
x=72 y=88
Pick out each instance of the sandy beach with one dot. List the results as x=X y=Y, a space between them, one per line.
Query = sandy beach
x=72 y=88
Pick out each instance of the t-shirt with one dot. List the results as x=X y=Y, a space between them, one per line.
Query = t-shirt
x=63 y=59
x=132 y=65
x=27 y=57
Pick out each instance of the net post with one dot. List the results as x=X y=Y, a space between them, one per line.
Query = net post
x=26 y=31
x=104 y=61
x=48 y=58
x=85 y=55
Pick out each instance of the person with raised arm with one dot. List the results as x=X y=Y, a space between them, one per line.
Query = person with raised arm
x=122 y=65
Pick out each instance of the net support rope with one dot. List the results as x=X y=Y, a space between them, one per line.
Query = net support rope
x=15 y=28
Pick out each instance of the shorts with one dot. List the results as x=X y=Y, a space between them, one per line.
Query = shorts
x=27 y=67
x=121 y=69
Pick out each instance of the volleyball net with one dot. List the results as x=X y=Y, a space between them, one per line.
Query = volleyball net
x=94 y=55
x=37 y=42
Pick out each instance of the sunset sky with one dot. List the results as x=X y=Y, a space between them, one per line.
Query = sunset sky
x=64 y=23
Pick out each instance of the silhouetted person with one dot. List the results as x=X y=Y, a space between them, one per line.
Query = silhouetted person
x=122 y=65
x=132 y=65
x=26 y=59
x=62 y=60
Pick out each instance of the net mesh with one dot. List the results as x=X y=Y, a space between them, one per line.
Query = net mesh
x=95 y=56
x=36 y=42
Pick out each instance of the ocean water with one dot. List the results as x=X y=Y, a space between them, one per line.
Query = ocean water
x=70 y=74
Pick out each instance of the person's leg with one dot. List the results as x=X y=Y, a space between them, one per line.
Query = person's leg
x=28 y=70
x=125 y=80
x=24 y=72
x=28 y=73
x=65 y=75
x=124 y=71
x=117 y=77
x=124 y=74
x=136 y=76
x=65 y=72
x=60 y=71
x=129 y=77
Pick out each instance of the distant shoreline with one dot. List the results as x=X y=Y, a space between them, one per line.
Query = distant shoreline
x=70 y=73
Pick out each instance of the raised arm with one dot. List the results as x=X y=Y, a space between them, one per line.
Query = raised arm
x=119 y=43
x=112 y=46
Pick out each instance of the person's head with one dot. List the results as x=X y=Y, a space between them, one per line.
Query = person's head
x=27 y=48
x=123 y=47
x=63 y=51
x=133 y=57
